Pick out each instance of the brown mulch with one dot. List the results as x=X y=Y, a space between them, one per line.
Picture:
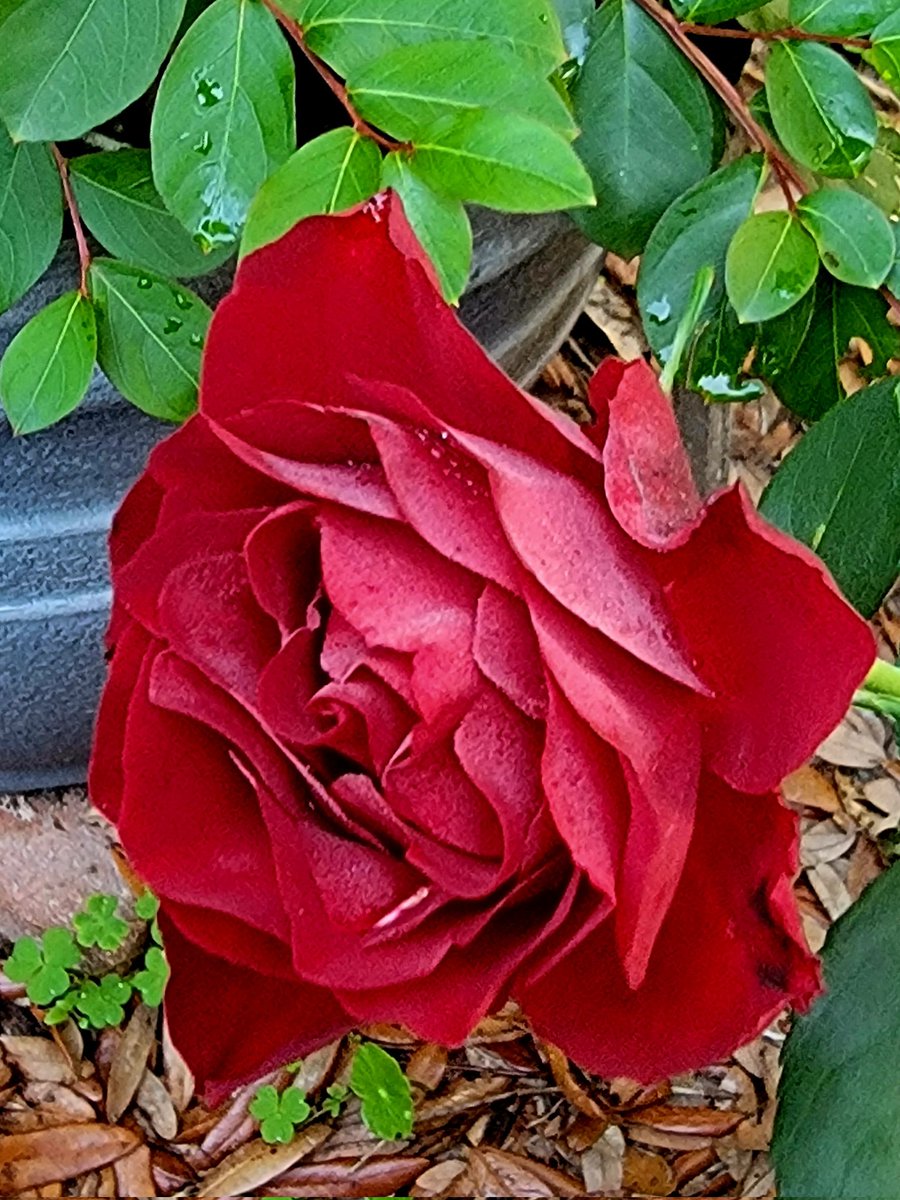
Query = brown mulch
x=115 y=1115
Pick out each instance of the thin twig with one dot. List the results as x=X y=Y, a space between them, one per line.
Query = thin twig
x=84 y=253
x=784 y=169
x=294 y=31
x=776 y=35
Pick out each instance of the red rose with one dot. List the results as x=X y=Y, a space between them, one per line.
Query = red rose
x=423 y=697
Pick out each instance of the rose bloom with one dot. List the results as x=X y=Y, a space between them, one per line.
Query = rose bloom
x=423 y=697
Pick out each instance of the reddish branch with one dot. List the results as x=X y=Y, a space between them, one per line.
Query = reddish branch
x=294 y=31
x=784 y=169
x=776 y=35
x=84 y=253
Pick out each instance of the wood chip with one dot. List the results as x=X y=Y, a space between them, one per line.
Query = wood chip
x=129 y=1060
x=257 y=1163
x=156 y=1104
x=603 y=1164
x=646 y=1172
x=30 y=1160
x=38 y=1058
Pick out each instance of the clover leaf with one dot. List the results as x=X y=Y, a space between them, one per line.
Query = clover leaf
x=43 y=966
x=151 y=981
x=279 y=1114
x=98 y=925
x=102 y=1004
x=384 y=1090
x=334 y=1100
x=147 y=906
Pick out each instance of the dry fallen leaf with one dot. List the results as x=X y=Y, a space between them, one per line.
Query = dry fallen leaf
x=133 y=1174
x=577 y=1096
x=345 y=1177
x=156 y=1104
x=603 y=1164
x=38 y=1058
x=860 y=741
x=255 y=1164
x=528 y=1177
x=646 y=1172
x=439 y=1180
x=129 y=1060
x=427 y=1065
x=30 y=1160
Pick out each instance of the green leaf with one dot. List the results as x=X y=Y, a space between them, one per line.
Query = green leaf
x=43 y=967
x=840 y=1106
x=408 y=89
x=151 y=981
x=294 y=1105
x=841 y=18
x=102 y=1004
x=441 y=225
x=803 y=365
x=694 y=232
x=279 y=1114
x=648 y=130
x=839 y=492
x=122 y=208
x=376 y=1077
x=150 y=335
x=98 y=924
x=573 y=18
x=47 y=367
x=71 y=66
x=146 y=906
x=880 y=182
x=893 y=279
x=717 y=356
x=771 y=263
x=30 y=216
x=822 y=112
x=223 y=119
x=884 y=55
x=60 y=949
x=265 y=1103
x=25 y=961
x=711 y=12
x=350 y=33
x=328 y=174
x=502 y=160
x=855 y=239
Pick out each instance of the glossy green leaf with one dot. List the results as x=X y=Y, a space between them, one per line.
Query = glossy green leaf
x=384 y=1090
x=122 y=208
x=331 y=173
x=711 y=12
x=715 y=362
x=893 y=279
x=408 y=89
x=771 y=263
x=695 y=231
x=839 y=492
x=841 y=18
x=223 y=119
x=835 y=1131
x=573 y=18
x=47 y=367
x=350 y=33
x=69 y=66
x=150 y=337
x=801 y=357
x=855 y=239
x=880 y=181
x=30 y=216
x=502 y=160
x=884 y=55
x=648 y=131
x=822 y=112
x=440 y=224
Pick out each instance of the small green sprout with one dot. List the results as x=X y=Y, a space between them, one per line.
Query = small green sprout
x=98 y=925
x=99 y=1005
x=334 y=1099
x=44 y=966
x=279 y=1114
x=151 y=981
x=376 y=1077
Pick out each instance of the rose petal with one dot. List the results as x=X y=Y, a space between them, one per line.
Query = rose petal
x=506 y=650
x=106 y=780
x=282 y=554
x=724 y=965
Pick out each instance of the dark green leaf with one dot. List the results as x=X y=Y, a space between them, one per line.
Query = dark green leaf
x=648 y=131
x=717 y=357
x=70 y=66
x=573 y=18
x=893 y=279
x=150 y=337
x=124 y=211
x=771 y=263
x=693 y=232
x=711 y=12
x=441 y=225
x=821 y=110
x=835 y=1133
x=328 y=174
x=223 y=119
x=842 y=18
x=408 y=89
x=839 y=492
x=779 y=341
x=384 y=1090
x=805 y=373
x=854 y=237
x=880 y=181
x=47 y=367
x=885 y=53
x=350 y=33
x=30 y=215
x=502 y=160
